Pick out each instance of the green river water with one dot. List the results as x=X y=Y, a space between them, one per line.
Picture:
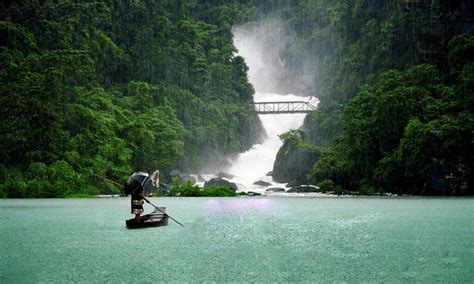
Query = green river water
x=263 y=239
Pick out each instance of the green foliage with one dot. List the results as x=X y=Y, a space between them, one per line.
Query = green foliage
x=340 y=46
x=188 y=189
x=326 y=185
x=13 y=184
x=407 y=130
x=116 y=86
x=184 y=189
x=219 y=191
x=368 y=190
x=292 y=137
x=389 y=122
x=461 y=51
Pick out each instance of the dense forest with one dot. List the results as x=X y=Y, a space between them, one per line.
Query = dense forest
x=395 y=83
x=109 y=87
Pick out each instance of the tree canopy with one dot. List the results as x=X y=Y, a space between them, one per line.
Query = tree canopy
x=113 y=87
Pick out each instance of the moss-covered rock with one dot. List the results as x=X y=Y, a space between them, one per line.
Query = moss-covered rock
x=221 y=183
x=295 y=158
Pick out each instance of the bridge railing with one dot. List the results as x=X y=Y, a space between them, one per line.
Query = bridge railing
x=283 y=107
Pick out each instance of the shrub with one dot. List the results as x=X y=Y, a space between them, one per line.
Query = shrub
x=188 y=189
x=221 y=191
x=179 y=188
x=326 y=185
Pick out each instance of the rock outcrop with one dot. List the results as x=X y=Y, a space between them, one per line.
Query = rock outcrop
x=303 y=189
x=275 y=189
x=262 y=183
x=294 y=160
x=220 y=182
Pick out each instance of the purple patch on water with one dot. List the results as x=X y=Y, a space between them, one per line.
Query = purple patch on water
x=221 y=205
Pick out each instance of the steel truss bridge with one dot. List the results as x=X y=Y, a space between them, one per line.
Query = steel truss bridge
x=283 y=107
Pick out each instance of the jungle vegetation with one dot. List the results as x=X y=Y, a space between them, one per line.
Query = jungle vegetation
x=115 y=86
x=395 y=83
x=110 y=87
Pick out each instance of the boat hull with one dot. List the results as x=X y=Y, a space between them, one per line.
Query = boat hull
x=155 y=219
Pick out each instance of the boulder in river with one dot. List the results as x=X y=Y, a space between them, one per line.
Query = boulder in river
x=294 y=159
x=275 y=189
x=249 y=193
x=262 y=183
x=220 y=182
x=303 y=188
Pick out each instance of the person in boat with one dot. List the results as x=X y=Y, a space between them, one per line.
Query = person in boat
x=134 y=187
x=137 y=203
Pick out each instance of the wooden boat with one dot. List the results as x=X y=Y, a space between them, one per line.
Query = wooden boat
x=154 y=219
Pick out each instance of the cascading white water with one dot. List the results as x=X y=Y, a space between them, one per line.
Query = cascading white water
x=254 y=164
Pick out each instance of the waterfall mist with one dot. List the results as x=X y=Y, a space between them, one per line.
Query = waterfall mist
x=262 y=45
x=279 y=62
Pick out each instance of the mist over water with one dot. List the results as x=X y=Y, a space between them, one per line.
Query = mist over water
x=254 y=164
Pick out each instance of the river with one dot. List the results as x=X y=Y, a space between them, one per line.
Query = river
x=325 y=239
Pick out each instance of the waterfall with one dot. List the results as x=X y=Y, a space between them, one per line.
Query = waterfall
x=254 y=164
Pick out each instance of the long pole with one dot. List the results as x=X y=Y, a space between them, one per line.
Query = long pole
x=148 y=201
x=109 y=180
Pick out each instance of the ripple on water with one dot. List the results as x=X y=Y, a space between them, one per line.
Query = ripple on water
x=236 y=239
